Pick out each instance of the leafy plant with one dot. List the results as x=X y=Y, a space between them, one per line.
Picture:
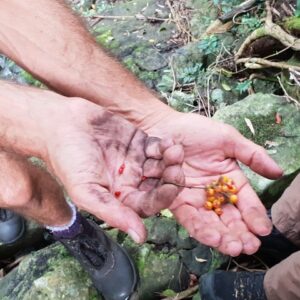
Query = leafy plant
x=297 y=13
x=189 y=74
x=243 y=86
x=209 y=45
x=252 y=23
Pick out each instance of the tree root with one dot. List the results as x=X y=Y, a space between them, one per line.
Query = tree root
x=270 y=29
x=260 y=63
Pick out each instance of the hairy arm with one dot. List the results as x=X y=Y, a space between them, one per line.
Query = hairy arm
x=50 y=42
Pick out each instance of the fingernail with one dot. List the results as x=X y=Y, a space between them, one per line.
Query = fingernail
x=263 y=228
x=134 y=236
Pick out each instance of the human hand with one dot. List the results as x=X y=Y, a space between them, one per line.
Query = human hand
x=212 y=149
x=101 y=159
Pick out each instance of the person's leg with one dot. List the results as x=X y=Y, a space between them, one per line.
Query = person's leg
x=30 y=191
x=282 y=281
x=286 y=212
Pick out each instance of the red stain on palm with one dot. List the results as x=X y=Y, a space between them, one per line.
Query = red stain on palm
x=117 y=194
x=143 y=178
x=121 y=169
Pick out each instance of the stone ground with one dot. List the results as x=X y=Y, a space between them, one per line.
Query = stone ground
x=164 y=47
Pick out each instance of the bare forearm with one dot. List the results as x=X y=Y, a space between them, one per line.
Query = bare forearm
x=21 y=111
x=51 y=43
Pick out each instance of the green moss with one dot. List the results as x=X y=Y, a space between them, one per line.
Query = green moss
x=141 y=260
x=292 y=23
x=30 y=79
x=131 y=65
x=217 y=259
x=107 y=40
x=265 y=128
x=146 y=75
x=260 y=32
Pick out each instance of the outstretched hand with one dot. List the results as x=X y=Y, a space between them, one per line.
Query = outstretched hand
x=111 y=169
x=212 y=149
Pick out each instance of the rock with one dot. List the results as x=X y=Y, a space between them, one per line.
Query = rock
x=149 y=59
x=282 y=140
x=202 y=259
x=162 y=231
x=49 y=274
x=204 y=12
x=164 y=262
x=159 y=269
x=144 y=47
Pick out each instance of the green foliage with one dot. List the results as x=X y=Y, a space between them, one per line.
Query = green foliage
x=243 y=86
x=247 y=24
x=251 y=23
x=166 y=83
x=226 y=5
x=189 y=74
x=28 y=78
x=297 y=12
x=168 y=293
x=209 y=45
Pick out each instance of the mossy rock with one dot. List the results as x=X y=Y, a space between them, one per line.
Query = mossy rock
x=281 y=139
x=160 y=268
x=48 y=274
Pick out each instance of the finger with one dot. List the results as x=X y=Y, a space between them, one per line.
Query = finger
x=231 y=217
x=174 y=155
x=152 y=202
x=153 y=168
x=250 y=242
x=204 y=226
x=99 y=202
x=253 y=212
x=149 y=184
x=252 y=155
x=231 y=245
x=174 y=174
x=165 y=144
x=251 y=208
x=152 y=148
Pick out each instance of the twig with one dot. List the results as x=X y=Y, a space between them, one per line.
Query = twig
x=287 y=95
x=255 y=63
x=97 y=18
x=244 y=268
x=184 y=294
x=261 y=261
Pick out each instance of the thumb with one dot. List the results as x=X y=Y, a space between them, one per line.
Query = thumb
x=253 y=156
x=99 y=202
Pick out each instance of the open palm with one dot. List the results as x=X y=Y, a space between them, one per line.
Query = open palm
x=111 y=169
x=211 y=150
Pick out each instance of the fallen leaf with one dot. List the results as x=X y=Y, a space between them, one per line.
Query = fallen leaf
x=226 y=87
x=250 y=126
x=200 y=260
